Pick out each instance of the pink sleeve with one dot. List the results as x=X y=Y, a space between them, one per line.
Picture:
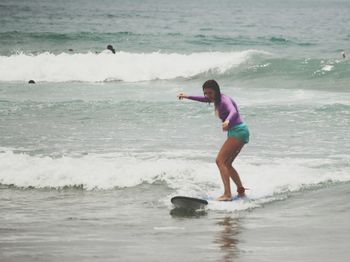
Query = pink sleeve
x=199 y=98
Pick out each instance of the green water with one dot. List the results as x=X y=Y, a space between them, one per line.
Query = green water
x=91 y=154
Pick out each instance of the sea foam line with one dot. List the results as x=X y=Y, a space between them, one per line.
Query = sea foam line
x=196 y=177
x=124 y=66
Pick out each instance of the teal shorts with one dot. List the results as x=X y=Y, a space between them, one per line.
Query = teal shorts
x=241 y=132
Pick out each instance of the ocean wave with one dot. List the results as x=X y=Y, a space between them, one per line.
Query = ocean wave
x=134 y=67
x=186 y=177
x=299 y=68
x=63 y=37
x=123 y=66
x=204 y=39
x=201 y=39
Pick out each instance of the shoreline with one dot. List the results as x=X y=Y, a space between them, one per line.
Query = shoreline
x=309 y=226
x=95 y=226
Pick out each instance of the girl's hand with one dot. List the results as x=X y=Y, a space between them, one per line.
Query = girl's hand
x=182 y=96
x=225 y=125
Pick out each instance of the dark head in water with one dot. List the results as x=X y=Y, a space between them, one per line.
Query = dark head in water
x=211 y=90
x=31 y=82
x=110 y=47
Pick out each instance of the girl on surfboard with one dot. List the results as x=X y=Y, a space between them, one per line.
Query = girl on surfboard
x=237 y=135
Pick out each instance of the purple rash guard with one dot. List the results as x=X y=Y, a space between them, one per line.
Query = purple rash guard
x=227 y=109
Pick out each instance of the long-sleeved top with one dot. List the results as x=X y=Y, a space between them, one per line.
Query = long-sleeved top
x=227 y=109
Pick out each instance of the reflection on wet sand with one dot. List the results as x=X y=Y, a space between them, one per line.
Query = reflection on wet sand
x=180 y=212
x=227 y=237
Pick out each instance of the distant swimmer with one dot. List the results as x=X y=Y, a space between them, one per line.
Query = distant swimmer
x=237 y=134
x=109 y=50
x=31 y=82
x=343 y=54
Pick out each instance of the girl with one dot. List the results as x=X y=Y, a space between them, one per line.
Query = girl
x=237 y=135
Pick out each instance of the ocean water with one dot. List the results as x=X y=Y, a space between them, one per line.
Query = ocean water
x=91 y=154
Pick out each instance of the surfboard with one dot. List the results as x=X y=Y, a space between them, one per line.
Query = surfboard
x=189 y=203
x=234 y=198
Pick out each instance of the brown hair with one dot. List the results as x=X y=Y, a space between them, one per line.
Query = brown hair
x=212 y=84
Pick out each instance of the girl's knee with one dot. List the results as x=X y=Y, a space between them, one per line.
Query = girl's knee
x=222 y=162
x=219 y=162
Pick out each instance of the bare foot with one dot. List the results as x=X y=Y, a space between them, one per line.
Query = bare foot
x=241 y=192
x=224 y=198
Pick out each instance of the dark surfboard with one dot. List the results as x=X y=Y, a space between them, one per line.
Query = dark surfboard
x=189 y=203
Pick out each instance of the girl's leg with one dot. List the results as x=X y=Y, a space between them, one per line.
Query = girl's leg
x=227 y=154
x=232 y=171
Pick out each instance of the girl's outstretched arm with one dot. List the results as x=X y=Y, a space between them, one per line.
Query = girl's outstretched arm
x=196 y=98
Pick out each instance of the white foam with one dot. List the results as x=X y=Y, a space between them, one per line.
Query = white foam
x=267 y=180
x=271 y=181
x=168 y=228
x=130 y=67
x=327 y=68
x=91 y=171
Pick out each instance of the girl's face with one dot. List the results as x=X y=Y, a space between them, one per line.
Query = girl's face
x=209 y=93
